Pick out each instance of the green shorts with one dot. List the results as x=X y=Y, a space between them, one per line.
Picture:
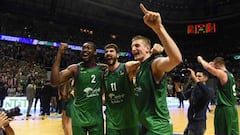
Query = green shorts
x=68 y=106
x=226 y=120
x=128 y=131
x=92 y=130
x=64 y=104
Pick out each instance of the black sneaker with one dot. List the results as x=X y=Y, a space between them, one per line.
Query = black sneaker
x=41 y=114
x=28 y=115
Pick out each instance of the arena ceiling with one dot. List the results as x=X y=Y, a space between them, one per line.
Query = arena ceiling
x=176 y=14
x=126 y=12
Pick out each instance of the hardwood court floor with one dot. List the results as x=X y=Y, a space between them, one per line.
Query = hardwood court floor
x=52 y=125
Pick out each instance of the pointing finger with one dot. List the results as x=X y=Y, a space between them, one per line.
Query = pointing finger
x=144 y=10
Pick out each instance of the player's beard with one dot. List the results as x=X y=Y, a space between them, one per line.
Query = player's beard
x=113 y=62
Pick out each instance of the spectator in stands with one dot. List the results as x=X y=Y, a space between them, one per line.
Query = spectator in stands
x=30 y=94
x=3 y=93
x=46 y=97
x=38 y=94
x=11 y=90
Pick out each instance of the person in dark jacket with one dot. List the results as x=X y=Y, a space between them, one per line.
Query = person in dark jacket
x=3 y=91
x=46 y=97
x=199 y=98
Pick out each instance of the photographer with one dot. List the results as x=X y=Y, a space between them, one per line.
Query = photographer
x=5 y=128
x=181 y=82
x=199 y=98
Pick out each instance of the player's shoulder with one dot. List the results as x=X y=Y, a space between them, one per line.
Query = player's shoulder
x=102 y=66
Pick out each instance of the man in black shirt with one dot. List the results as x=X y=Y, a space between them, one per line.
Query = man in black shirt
x=46 y=97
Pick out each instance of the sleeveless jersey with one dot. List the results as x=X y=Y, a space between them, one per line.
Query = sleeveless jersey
x=226 y=95
x=121 y=112
x=87 y=104
x=151 y=100
x=226 y=116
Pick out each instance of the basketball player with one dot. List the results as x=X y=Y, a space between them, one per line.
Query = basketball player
x=86 y=110
x=121 y=113
x=65 y=92
x=151 y=83
x=226 y=116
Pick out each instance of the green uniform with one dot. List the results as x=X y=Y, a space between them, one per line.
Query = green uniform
x=226 y=116
x=121 y=113
x=69 y=105
x=66 y=103
x=151 y=101
x=86 y=110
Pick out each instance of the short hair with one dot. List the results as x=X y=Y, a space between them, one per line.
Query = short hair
x=219 y=60
x=145 y=39
x=203 y=71
x=92 y=44
x=112 y=45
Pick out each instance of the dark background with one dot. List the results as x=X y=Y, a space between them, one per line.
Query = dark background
x=61 y=20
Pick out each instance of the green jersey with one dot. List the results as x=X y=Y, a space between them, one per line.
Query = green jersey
x=226 y=116
x=226 y=95
x=151 y=100
x=87 y=104
x=121 y=111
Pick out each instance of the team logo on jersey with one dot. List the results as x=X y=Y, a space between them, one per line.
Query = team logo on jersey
x=137 y=90
x=121 y=72
x=82 y=70
x=106 y=73
x=114 y=99
x=91 y=92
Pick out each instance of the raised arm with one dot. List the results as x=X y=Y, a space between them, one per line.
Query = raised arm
x=174 y=57
x=58 y=77
x=209 y=66
x=193 y=76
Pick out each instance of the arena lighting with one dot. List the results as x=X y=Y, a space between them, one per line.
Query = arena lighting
x=30 y=41
x=236 y=57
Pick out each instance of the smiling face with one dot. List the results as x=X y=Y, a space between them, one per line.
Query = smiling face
x=88 y=51
x=111 y=56
x=140 y=49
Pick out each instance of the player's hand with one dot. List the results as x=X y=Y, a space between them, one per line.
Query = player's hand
x=192 y=72
x=157 y=48
x=104 y=66
x=151 y=19
x=63 y=47
x=72 y=93
x=3 y=119
x=199 y=59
